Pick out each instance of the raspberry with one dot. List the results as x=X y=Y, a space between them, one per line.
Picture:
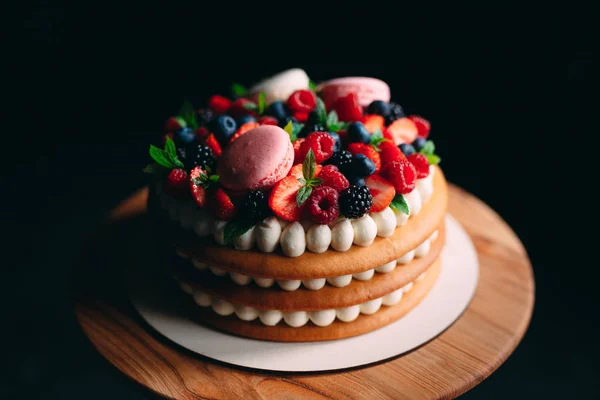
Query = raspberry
x=321 y=143
x=390 y=153
x=219 y=104
x=301 y=116
x=268 y=120
x=423 y=126
x=332 y=177
x=302 y=100
x=297 y=154
x=177 y=183
x=419 y=161
x=367 y=150
x=322 y=205
x=355 y=201
x=401 y=174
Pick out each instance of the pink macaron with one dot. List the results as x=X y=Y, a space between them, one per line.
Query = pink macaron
x=368 y=90
x=257 y=160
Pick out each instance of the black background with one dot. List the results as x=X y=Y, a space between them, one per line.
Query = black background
x=508 y=91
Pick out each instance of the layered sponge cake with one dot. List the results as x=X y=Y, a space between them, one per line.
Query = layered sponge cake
x=300 y=212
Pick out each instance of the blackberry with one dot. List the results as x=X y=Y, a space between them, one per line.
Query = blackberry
x=310 y=128
x=342 y=160
x=396 y=112
x=205 y=115
x=199 y=155
x=355 y=201
x=256 y=206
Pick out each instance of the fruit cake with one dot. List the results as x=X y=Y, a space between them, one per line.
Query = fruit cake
x=300 y=212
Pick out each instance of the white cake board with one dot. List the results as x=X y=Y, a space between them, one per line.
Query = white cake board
x=446 y=301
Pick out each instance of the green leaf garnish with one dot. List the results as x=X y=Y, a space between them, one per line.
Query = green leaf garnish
x=376 y=139
x=433 y=159
x=235 y=228
x=239 y=90
x=428 y=148
x=332 y=118
x=309 y=165
x=308 y=180
x=303 y=194
x=312 y=85
x=399 y=204
x=296 y=130
x=250 y=106
x=170 y=147
x=321 y=112
x=206 y=180
x=289 y=128
x=165 y=159
x=188 y=113
x=262 y=103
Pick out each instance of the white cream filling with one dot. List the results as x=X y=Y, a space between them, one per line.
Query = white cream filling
x=297 y=319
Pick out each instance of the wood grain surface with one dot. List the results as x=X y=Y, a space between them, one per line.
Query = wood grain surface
x=458 y=359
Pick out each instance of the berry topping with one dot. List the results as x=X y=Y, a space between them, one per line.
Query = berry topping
x=297 y=171
x=297 y=155
x=423 y=126
x=200 y=155
x=401 y=174
x=199 y=181
x=244 y=119
x=224 y=128
x=282 y=199
x=201 y=133
x=396 y=112
x=173 y=124
x=362 y=166
x=211 y=141
x=403 y=130
x=184 y=136
x=322 y=205
x=348 y=108
x=223 y=207
x=300 y=116
x=322 y=145
x=355 y=201
x=379 y=107
x=407 y=149
x=256 y=206
x=310 y=128
x=342 y=160
x=419 y=143
x=337 y=140
x=243 y=129
x=302 y=100
x=205 y=115
x=356 y=180
x=369 y=151
x=373 y=122
x=420 y=163
x=219 y=104
x=389 y=153
x=268 y=120
x=241 y=107
x=176 y=184
x=332 y=177
x=358 y=133
x=382 y=191
x=277 y=110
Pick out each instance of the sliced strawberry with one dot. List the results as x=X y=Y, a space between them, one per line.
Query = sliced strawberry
x=423 y=126
x=219 y=104
x=403 y=130
x=297 y=171
x=268 y=120
x=176 y=184
x=174 y=123
x=223 y=207
x=248 y=126
x=282 y=199
x=387 y=135
x=211 y=141
x=389 y=152
x=373 y=122
x=297 y=154
x=239 y=108
x=382 y=191
x=198 y=190
x=348 y=108
x=367 y=150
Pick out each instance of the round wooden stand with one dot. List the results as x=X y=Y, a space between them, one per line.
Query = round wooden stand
x=457 y=360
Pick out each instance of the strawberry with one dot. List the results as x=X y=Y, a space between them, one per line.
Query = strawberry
x=248 y=126
x=419 y=161
x=211 y=141
x=297 y=154
x=219 y=104
x=401 y=174
x=382 y=191
x=322 y=144
x=197 y=187
x=403 y=130
x=176 y=183
x=389 y=152
x=367 y=150
x=222 y=205
x=238 y=108
x=301 y=116
x=332 y=177
x=302 y=100
x=282 y=199
x=423 y=126
x=268 y=120
x=348 y=108
x=387 y=135
x=174 y=123
x=297 y=171
x=373 y=122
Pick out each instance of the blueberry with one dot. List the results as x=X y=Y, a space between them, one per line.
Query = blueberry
x=309 y=128
x=184 y=136
x=379 y=107
x=223 y=127
x=407 y=149
x=419 y=143
x=357 y=132
x=245 y=119
x=355 y=180
x=277 y=109
x=362 y=165
x=338 y=143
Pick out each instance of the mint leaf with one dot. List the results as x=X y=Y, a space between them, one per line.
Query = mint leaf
x=303 y=194
x=238 y=90
x=250 y=106
x=262 y=104
x=170 y=147
x=313 y=182
x=321 y=112
x=188 y=113
x=163 y=158
x=289 y=128
x=332 y=118
x=376 y=139
x=205 y=180
x=399 y=204
x=236 y=228
x=296 y=130
x=312 y=85
x=309 y=165
x=214 y=178
x=433 y=159
x=428 y=148
x=302 y=181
